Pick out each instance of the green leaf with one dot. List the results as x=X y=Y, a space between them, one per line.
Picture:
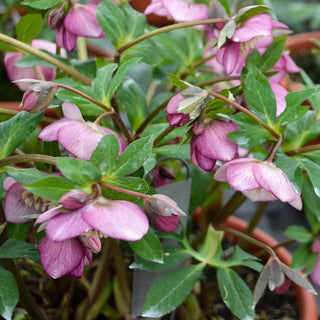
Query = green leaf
x=250 y=136
x=272 y=55
x=28 y=27
x=304 y=259
x=132 y=100
x=13 y=249
x=171 y=290
x=177 y=82
x=174 y=151
x=101 y=83
x=299 y=233
x=235 y=293
x=79 y=171
x=119 y=76
x=42 y=4
x=9 y=294
x=249 y=11
x=51 y=188
x=106 y=154
x=133 y=157
x=259 y=95
x=149 y=247
x=313 y=170
x=25 y=175
x=226 y=6
x=135 y=23
x=87 y=67
x=15 y=130
x=211 y=245
x=311 y=203
x=172 y=256
x=112 y=21
x=294 y=100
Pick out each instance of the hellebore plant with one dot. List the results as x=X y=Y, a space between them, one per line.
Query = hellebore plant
x=115 y=113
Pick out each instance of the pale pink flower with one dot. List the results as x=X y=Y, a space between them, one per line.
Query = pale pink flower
x=280 y=94
x=174 y=117
x=77 y=136
x=210 y=143
x=259 y=181
x=179 y=10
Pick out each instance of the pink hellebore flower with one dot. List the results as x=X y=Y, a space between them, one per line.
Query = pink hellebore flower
x=77 y=136
x=259 y=181
x=280 y=93
x=20 y=202
x=210 y=143
x=18 y=73
x=81 y=20
x=315 y=274
x=174 y=117
x=256 y=32
x=179 y=10
x=284 y=65
x=59 y=258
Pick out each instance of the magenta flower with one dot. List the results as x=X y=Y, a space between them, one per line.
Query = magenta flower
x=59 y=258
x=210 y=143
x=81 y=20
x=255 y=32
x=175 y=118
x=259 y=181
x=20 y=202
x=284 y=65
x=18 y=73
x=77 y=136
x=113 y=218
x=179 y=10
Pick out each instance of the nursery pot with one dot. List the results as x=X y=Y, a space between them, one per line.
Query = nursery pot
x=306 y=301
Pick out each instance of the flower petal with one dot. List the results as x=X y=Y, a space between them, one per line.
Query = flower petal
x=50 y=132
x=71 y=111
x=259 y=194
x=120 y=219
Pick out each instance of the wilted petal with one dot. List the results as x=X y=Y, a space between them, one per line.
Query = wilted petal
x=256 y=26
x=167 y=223
x=284 y=287
x=117 y=219
x=59 y=258
x=81 y=20
x=274 y=180
x=67 y=225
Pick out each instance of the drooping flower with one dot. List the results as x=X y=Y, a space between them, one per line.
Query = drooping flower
x=179 y=10
x=280 y=94
x=175 y=118
x=117 y=219
x=77 y=136
x=255 y=32
x=20 y=202
x=163 y=212
x=81 y=20
x=17 y=73
x=210 y=143
x=259 y=181
x=59 y=258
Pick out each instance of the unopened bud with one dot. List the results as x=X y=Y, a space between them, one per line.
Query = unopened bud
x=91 y=242
x=38 y=96
x=55 y=19
x=167 y=224
x=74 y=199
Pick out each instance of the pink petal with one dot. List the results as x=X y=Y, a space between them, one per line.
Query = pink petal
x=182 y=10
x=315 y=274
x=156 y=7
x=66 y=225
x=256 y=26
x=48 y=214
x=280 y=94
x=259 y=194
x=297 y=203
x=81 y=20
x=59 y=258
x=273 y=180
x=240 y=177
x=198 y=159
x=173 y=103
x=71 y=111
x=8 y=182
x=120 y=220
x=167 y=223
x=50 y=132
x=228 y=56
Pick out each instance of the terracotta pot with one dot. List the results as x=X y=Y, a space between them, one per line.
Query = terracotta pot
x=301 y=43
x=153 y=19
x=306 y=301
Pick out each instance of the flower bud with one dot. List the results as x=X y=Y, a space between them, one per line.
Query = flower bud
x=74 y=199
x=38 y=96
x=55 y=19
x=92 y=242
x=166 y=224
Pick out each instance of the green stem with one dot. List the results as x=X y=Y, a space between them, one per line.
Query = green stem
x=246 y=111
x=230 y=207
x=125 y=191
x=23 y=47
x=82 y=49
x=305 y=149
x=167 y=29
x=28 y=158
x=163 y=134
